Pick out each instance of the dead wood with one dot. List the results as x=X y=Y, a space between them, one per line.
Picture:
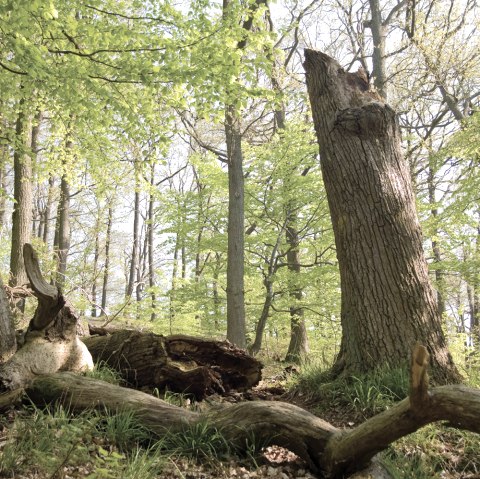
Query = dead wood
x=179 y=363
x=50 y=343
x=333 y=452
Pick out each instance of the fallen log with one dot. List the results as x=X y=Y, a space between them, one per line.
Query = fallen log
x=179 y=363
x=333 y=452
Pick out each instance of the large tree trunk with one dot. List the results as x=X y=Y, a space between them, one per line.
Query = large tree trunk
x=22 y=195
x=386 y=291
x=179 y=363
x=333 y=452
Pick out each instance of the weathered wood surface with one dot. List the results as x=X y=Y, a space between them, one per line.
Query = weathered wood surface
x=334 y=452
x=50 y=343
x=180 y=363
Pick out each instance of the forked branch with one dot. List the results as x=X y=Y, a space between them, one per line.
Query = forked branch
x=334 y=452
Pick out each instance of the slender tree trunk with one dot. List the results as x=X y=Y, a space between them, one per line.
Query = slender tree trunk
x=216 y=296
x=262 y=320
x=36 y=210
x=151 y=249
x=378 y=30
x=96 y=255
x=386 y=290
x=173 y=289
x=3 y=183
x=63 y=220
x=106 y=268
x=236 y=329
x=22 y=195
x=474 y=296
x=48 y=209
x=437 y=256
x=136 y=241
x=298 y=346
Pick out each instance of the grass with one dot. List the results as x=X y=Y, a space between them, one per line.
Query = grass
x=52 y=442
x=103 y=372
x=365 y=394
x=435 y=451
x=46 y=443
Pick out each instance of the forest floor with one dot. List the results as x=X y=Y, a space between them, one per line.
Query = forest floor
x=52 y=444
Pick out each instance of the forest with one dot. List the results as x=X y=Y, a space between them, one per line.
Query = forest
x=192 y=191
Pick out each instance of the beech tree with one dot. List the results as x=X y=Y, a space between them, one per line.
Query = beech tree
x=386 y=291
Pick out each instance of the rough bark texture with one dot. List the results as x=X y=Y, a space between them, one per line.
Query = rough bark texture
x=378 y=29
x=333 y=452
x=8 y=343
x=63 y=222
x=50 y=343
x=386 y=291
x=236 y=328
x=22 y=194
x=180 y=363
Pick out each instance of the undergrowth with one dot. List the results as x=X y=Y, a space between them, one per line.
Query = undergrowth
x=434 y=451
x=365 y=394
x=101 y=445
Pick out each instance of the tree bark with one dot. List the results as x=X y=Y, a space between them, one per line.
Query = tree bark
x=378 y=29
x=136 y=240
x=8 y=343
x=22 y=195
x=106 y=267
x=151 y=248
x=386 y=291
x=48 y=209
x=236 y=329
x=63 y=217
x=180 y=363
x=3 y=173
x=334 y=453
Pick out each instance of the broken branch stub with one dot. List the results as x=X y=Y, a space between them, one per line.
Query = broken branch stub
x=50 y=299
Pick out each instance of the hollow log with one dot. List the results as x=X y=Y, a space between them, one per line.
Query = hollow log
x=180 y=363
x=50 y=343
x=335 y=453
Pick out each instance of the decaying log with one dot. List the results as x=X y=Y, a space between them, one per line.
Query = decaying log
x=180 y=363
x=334 y=452
x=50 y=343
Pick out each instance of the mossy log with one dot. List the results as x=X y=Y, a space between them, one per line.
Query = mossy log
x=179 y=363
x=335 y=453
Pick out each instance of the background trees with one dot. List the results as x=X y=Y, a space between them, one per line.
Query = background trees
x=118 y=111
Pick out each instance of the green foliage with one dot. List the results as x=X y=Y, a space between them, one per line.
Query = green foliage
x=123 y=429
x=200 y=442
x=103 y=372
x=365 y=394
x=46 y=440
